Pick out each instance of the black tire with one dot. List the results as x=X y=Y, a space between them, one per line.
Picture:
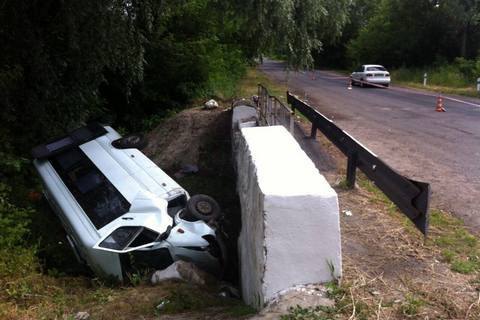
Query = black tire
x=135 y=141
x=218 y=250
x=203 y=207
x=386 y=85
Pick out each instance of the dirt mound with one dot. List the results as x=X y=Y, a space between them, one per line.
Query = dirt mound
x=177 y=141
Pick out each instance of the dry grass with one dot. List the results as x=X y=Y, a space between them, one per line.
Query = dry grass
x=249 y=85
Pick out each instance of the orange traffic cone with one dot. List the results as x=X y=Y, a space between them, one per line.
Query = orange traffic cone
x=439 y=107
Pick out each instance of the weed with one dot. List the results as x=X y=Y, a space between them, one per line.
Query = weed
x=187 y=298
x=343 y=185
x=249 y=86
x=411 y=305
x=241 y=310
x=151 y=122
x=331 y=269
x=470 y=265
x=317 y=313
x=458 y=246
x=335 y=291
x=456 y=78
x=138 y=277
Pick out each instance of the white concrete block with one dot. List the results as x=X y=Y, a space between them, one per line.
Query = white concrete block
x=290 y=217
x=243 y=113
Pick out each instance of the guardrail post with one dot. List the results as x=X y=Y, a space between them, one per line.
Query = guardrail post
x=292 y=123
x=313 y=132
x=478 y=85
x=425 y=79
x=274 y=111
x=352 y=169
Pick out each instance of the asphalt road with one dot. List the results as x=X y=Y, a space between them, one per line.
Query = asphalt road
x=401 y=126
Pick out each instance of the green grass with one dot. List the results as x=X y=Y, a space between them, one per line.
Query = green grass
x=187 y=298
x=379 y=197
x=412 y=305
x=458 y=246
x=249 y=86
x=445 y=79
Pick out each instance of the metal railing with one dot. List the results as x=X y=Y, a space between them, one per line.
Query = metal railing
x=411 y=197
x=273 y=112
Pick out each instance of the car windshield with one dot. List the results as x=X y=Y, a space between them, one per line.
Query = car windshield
x=377 y=68
x=129 y=238
x=97 y=196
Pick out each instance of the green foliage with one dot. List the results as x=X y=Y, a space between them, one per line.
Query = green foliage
x=388 y=36
x=334 y=53
x=460 y=73
x=53 y=58
x=291 y=28
x=314 y=313
x=411 y=305
x=417 y=33
x=14 y=220
x=458 y=246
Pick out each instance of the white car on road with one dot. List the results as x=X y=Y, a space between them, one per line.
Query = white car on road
x=116 y=204
x=370 y=74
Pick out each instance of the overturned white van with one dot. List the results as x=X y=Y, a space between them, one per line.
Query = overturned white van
x=115 y=204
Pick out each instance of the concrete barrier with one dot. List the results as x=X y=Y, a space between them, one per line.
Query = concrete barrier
x=290 y=218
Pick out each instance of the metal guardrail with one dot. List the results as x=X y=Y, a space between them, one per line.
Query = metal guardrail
x=273 y=112
x=411 y=197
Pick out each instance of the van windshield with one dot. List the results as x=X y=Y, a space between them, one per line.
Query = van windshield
x=97 y=196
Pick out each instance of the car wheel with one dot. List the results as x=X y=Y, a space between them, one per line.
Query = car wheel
x=386 y=85
x=130 y=141
x=203 y=207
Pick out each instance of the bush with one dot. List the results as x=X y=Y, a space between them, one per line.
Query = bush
x=459 y=74
x=14 y=221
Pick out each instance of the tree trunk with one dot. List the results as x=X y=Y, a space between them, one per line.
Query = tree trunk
x=463 y=48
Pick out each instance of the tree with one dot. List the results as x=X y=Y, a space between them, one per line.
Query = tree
x=54 y=54
x=467 y=13
x=334 y=53
x=406 y=32
x=292 y=27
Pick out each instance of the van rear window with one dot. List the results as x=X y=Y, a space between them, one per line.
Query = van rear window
x=97 y=196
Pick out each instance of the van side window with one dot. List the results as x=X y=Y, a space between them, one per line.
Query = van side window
x=97 y=196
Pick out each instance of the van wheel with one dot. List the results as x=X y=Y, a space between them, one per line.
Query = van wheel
x=203 y=207
x=135 y=141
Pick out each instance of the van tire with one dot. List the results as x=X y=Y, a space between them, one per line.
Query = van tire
x=203 y=207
